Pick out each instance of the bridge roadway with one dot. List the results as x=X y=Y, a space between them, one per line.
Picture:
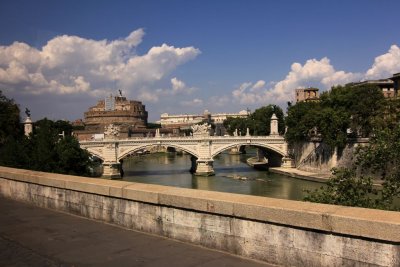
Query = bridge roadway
x=32 y=236
x=203 y=149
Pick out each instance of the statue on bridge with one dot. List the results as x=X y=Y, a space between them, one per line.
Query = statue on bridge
x=201 y=129
x=111 y=131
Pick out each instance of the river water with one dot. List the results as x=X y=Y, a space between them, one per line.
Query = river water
x=173 y=170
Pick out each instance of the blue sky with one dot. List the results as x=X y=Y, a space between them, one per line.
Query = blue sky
x=59 y=57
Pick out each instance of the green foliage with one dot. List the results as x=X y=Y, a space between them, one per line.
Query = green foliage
x=241 y=124
x=259 y=122
x=151 y=125
x=357 y=108
x=15 y=153
x=346 y=189
x=9 y=119
x=71 y=158
x=332 y=126
x=351 y=188
x=44 y=150
x=301 y=120
x=365 y=111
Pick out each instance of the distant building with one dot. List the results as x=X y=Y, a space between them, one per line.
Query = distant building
x=390 y=87
x=185 y=121
x=396 y=83
x=129 y=115
x=307 y=94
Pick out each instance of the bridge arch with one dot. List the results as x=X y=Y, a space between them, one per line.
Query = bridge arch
x=232 y=145
x=137 y=148
x=95 y=153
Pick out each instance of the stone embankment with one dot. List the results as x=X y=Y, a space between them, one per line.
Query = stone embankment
x=282 y=232
x=304 y=175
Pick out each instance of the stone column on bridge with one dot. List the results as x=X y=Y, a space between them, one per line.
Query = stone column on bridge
x=274 y=125
x=111 y=166
x=204 y=164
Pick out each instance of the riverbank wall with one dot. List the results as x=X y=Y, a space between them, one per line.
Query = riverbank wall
x=317 y=157
x=281 y=232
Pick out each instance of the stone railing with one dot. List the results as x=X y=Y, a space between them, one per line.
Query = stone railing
x=276 y=231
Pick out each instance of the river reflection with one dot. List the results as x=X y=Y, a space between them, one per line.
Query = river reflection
x=173 y=170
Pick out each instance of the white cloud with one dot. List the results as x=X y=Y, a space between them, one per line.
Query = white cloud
x=385 y=65
x=220 y=101
x=178 y=87
x=193 y=103
x=71 y=64
x=317 y=73
x=258 y=85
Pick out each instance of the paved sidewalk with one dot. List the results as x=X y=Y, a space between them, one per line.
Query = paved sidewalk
x=32 y=236
x=310 y=176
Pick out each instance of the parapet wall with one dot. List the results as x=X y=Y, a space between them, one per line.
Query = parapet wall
x=277 y=231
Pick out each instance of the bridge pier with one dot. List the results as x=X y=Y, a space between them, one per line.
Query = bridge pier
x=287 y=162
x=204 y=167
x=112 y=170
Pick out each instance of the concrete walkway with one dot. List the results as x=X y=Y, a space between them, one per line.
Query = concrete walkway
x=293 y=172
x=32 y=236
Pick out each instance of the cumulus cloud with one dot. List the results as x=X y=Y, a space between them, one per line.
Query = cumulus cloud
x=317 y=73
x=220 y=101
x=71 y=64
x=193 y=103
x=178 y=87
x=385 y=65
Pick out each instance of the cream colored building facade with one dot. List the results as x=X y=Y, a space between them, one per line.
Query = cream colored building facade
x=181 y=120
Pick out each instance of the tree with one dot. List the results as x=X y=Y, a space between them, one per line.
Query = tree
x=357 y=108
x=241 y=124
x=9 y=119
x=347 y=189
x=301 y=120
x=45 y=149
x=71 y=158
x=259 y=122
x=354 y=187
x=52 y=152
x=43 y=140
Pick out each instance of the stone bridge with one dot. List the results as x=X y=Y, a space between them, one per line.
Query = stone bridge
x=200 y=145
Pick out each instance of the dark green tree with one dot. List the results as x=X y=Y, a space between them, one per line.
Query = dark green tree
x=347 y=189
x=357 y=108
x=260 y=120
x=9 y=119
x=241 y=124
x=45 y=149
x=354 y=187
x=302 y=121
x=71 y=158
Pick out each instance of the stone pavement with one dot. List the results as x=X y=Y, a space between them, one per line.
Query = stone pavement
x=32 y=236
x=317 y=177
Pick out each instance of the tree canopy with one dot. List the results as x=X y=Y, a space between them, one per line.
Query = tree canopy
x=376 y=118
x=342 y=112
x=45 y=149
x=9 y=119
x=259 y=122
